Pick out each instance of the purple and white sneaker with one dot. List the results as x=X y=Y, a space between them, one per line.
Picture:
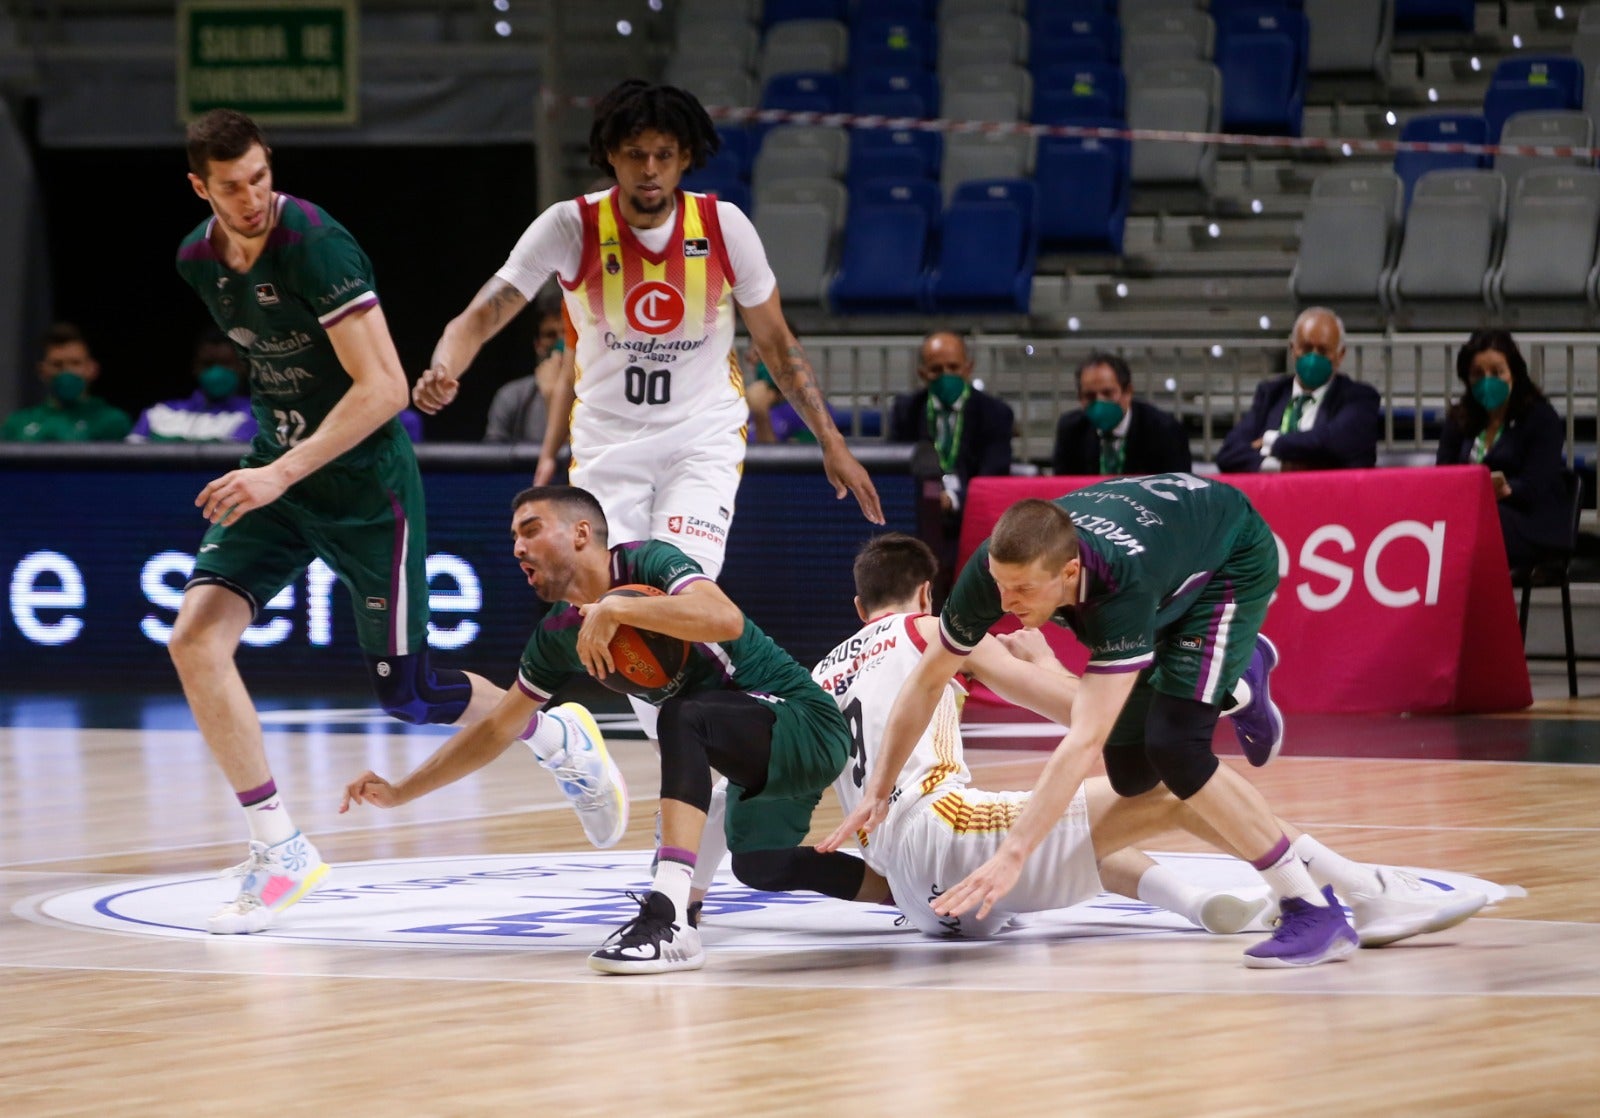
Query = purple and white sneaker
x=1259 y=723
x=1307 y=934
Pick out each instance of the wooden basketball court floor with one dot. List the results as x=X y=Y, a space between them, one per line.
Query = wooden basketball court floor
x=1500 y=1016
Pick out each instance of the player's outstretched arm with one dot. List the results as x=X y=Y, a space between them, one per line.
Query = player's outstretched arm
x=496 y=303
x=787 y=362
x=1027 y=683
x=558 y=421
x=463 y=752
x=908 y=718
x=377 y=393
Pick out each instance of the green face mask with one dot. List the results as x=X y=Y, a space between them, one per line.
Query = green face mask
x=1313 y=369
x=1104 y=414
x=67 y=387
x=218 y=382
x=947 y=388
x=1491 y=392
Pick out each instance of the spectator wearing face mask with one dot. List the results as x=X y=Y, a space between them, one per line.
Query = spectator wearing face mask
x=970 y=429
x=71 y=413
x=1314 y=418
x=1114 y=433
x=217 y=411
x=1504 y=422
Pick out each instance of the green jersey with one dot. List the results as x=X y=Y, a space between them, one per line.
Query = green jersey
x=752 y=662
x=1149 y=546
x=86 y=419
x=310 y=275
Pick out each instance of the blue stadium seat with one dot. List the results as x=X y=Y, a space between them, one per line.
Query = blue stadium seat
x=885 y=249
x=987 y=250
x=899 y=44
x=782 y=11
x=1531 y=83
x=725 y=187
x=1084 y=191
x=870 y=12
x=897 y=164
x=922 y=193
x=1075 y=37
x=1263 y=54
x=901 y=91
x=1039 y=10
x=800 y=93
x=1435 y=15
x=866 y=144
x=736 y=145
x=1065 y=93
x=1440 y=128
x=1222 y=10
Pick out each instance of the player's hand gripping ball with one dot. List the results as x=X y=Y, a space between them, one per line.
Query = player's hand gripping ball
x=646 y=661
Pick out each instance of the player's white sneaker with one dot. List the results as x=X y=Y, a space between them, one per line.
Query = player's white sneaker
x=588 y=777
x=1227 y=914
x=275 y=877
x=652 y=942
x=1403 y=907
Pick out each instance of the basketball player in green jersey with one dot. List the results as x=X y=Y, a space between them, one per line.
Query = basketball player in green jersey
x=1166 y=580
x=740 y=704
x=330 y=475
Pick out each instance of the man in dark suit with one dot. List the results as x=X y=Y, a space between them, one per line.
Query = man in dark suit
x=1314 y=418
x=968 y=428
x=1112 y=433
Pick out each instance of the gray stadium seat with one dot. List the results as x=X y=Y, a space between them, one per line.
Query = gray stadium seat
x=721 y=87
x=1556 y=127
x=1175 y=95
x=1347 y=235
x=1350 y=36
x=827 y=194
x=804 y=46
x=1131 y=10
x=1451 y=238
x=1169 y=35
x=977 y=155
x=800 y=151
x=1550 y=237
x=986 y=93
x=979 y=39
x=954 y=9
x=694 y=12
x=717 y=44
x=799 y=240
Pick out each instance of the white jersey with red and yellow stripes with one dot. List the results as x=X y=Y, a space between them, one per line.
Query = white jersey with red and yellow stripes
x=938 y=829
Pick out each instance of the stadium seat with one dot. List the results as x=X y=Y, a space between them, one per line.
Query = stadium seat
x=982 y=40
x=897 y=147
x=1076 y=37
x=1070 y=92
x=1003 y=92
x=1262 y=53
x=1186 y=96
x=1222 y=10
x=897 y=44
x=804 y=46
x=720 y=87
x=1169 y=34
x=1084 y=192
x=956 y=9
x=728 y=189
x=1130 y=10
x=1550 y=237
x=881 y=265
x=799 y=237
x=1348 y=235
x=980 y=155
x=695 y=12
x=736 y=144
x=774 y=12
x=922 y=193
x=987 y=250
x=1440 y=128
x=892 y=9
x=801 y=93
x=1350 y=36
x=800 y=150
x=1451 y=238
x=826 y=194
x=1435 y=15
x=1043 y=9
x=1561 y=128
x=716 y=44
x=1530 y=83
x=898 y=92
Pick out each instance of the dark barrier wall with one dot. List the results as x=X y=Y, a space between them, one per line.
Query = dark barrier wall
x=95 y=546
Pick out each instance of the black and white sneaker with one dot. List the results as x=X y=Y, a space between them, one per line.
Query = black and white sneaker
x=651 y=942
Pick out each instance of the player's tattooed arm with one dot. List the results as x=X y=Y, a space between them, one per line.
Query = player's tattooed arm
x=798 y=380
x=496 y=303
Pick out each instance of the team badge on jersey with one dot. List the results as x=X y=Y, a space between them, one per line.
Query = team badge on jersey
x=696 y=246
x=612 y=266
x=266 y=295
x=654 y=308
x=377 y=603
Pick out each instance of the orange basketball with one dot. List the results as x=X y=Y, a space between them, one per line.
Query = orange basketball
x=645 y=660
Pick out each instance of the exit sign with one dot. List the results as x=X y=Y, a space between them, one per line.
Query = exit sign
x=290 y=62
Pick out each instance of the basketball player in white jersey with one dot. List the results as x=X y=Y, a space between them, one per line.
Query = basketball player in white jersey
x=652 y=276
x=938 y=829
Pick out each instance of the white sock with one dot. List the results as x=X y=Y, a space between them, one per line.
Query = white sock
x=672 y=880
x=714 y=839
x=547 y=737
x=1165 y=888
x=1241 y=696
x=1327 y=867
x=269 y=821
x=1287 y=877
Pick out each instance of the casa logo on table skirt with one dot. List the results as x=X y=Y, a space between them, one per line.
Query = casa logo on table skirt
x=570 y=901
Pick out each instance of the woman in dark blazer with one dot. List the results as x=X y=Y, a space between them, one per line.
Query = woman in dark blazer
x=1504 y=422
